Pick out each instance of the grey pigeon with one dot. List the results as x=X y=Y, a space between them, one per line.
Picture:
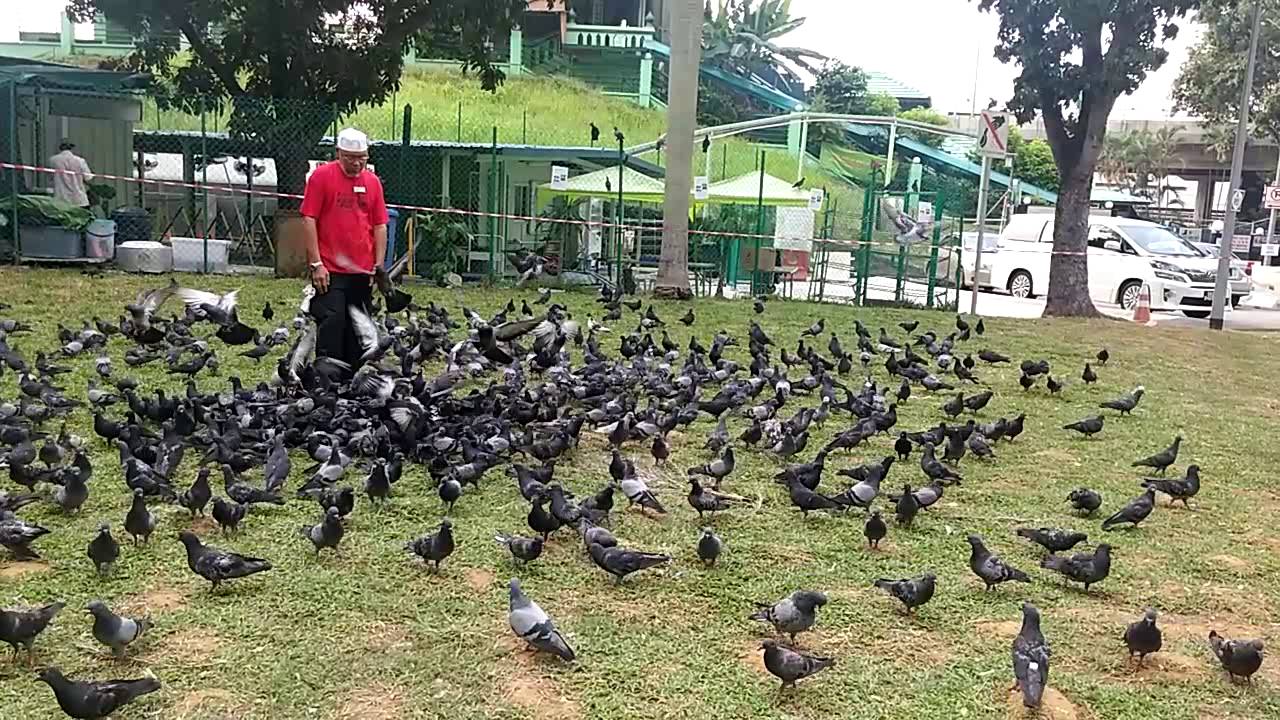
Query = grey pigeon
x=531 y=624
x=874 y=530
x=790 y=665
x=1087 y=568
x=328 y=532
x=103 y=549
x=115 y=631
x=1143 y=637
x=989 y=568
x=217 y=565
x=793 y=614
x=19 y=628
x=1053 y=539
x=1163 y=459
x=1085 y=499
x=1134 y=512
x=277 y=468
x=1240 y=658
x=434 y=547
x=139 y=522
x=1125 y=403
x=228 y=514
x=913 y=592
x=524 y=549
x=1178 y=489
x=709 y=547
x=16 y=536
x=1088 y=427
x=621 y=562
x=1031 y=657
x=89 y=700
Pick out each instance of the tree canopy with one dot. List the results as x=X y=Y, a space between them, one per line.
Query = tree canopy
x=742 y=37
x=1209 y=84
x=1075 y=60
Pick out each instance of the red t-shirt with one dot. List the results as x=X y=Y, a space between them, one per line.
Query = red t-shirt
x=346 y=209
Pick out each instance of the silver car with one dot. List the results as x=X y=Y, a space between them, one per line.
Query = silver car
x=1239 y=279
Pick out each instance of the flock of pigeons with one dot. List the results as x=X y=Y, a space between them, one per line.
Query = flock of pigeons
x=505 y=392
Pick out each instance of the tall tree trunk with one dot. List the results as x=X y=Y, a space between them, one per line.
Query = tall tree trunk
x=682 y=109
x=1069 y=268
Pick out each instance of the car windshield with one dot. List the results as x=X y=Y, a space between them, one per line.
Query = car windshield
x=1158 y=241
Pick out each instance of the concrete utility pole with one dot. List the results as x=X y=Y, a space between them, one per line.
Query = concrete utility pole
x=1221 y=292
x=682 y=121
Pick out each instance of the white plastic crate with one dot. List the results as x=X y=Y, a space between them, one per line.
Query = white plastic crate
x=189 y=255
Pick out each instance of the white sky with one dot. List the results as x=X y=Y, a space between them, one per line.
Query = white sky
x=937 y=46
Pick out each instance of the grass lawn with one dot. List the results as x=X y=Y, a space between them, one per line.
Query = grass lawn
x=372 y=634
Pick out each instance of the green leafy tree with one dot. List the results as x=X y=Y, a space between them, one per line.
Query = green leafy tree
x=1033 y=161
x=1075 y=60
x=840 y=88
x=742 y=37
x=926 y=116
x=285 y=69
x=1209 y=84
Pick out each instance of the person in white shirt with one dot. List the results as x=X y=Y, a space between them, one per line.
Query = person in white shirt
x=73 y=171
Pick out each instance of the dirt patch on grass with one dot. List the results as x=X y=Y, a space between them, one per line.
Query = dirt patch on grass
x=1056 y=456
x=207 y=704
x=152 y=602
x=385 y=637
x=478 y=579
x=538 y=696
x=191 y=646
x=999 y=629
x=374 y=701
x=1231 y=562
x=203 y=525
x=753 y=658
x=1196 y=628
x=15 y=570
x=1053 y=706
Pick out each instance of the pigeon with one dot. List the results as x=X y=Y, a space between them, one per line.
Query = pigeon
x=1125 y=403
x=991 y=357
x=139 y=522
x=875 y=530
x=621 y=562
x=434 y=547
x=115 y=631
x=1031 y=657
x=1142 y=637
x=16 y=536
x=913 y=592
x=1089 y=376
x=709 y=547
x=217 y=565
x=228 y=514
x=793 y=614
x=327 y=533
x=90 y=700
x=19 y=628
x=524 y=549
x=902 y=446
x=449 y=491
x=790 y=665
x=531 y=624
x=1240 y=658
x=974 y=403
x=989 y=568
x=197 y=496
x=1103 y=356
x=1163 y=459
x=1053 y=539
x=1088 y=427
x=103 y=549
x=1179 y=489
x=906 y=507
x=717 y=469
x=909 y=229
x=1087 y=568
x=1085 y=499
x=1134 y=512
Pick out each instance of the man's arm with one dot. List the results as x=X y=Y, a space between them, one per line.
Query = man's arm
x=85 y=171
x=316 y=271
x=379 y=246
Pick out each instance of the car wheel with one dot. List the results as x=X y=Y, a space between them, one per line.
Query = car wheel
x=1020 y=284
x=1197 y=314
x=1235 y=300
x=1128 y=295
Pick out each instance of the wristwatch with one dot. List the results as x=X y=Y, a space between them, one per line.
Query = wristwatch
x=315 y=265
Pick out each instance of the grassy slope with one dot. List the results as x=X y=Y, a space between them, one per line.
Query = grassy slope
x=541 y=111
x=373 y=635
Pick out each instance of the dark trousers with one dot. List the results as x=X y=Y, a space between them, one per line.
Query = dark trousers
x=335 y=337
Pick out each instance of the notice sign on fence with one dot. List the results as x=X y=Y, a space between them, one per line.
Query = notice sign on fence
x=1271 y=250
x=701 y=188
x=1241 y=243
x=559 y=177
x=816 y=197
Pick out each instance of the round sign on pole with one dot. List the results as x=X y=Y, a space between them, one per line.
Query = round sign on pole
x=1272 y=201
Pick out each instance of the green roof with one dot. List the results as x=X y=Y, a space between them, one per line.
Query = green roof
x=23 y=71
x=878 y=83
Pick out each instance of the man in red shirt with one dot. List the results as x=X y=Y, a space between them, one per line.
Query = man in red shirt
x=345 y=221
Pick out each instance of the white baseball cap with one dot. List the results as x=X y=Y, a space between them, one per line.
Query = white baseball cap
x=352 y=140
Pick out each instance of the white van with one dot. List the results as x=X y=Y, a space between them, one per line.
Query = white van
x=1123 y=255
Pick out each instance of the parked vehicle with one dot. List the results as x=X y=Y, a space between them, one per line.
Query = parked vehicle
x=1241 y=284
x=1124 y=254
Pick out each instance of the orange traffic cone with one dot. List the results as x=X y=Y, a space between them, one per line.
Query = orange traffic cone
x=1142 y=311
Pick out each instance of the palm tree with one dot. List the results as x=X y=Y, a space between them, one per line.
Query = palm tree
x=1162 y=150
x=742 y=38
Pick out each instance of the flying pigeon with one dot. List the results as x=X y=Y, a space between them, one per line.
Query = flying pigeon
x=909 y=229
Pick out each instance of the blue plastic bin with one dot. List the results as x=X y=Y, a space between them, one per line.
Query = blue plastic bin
x=393 y=219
